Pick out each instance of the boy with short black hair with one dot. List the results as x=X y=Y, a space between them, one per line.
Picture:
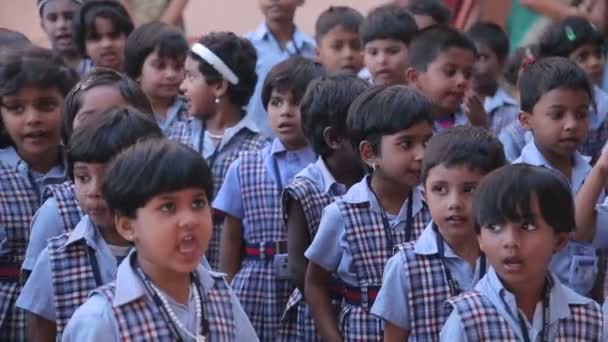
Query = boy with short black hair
x=523 y=216
x=386 y=33
x=446 y=259
x=429 y=13
x=337 y=35
x=441 y=68
x=158 y=190
x=492 y=45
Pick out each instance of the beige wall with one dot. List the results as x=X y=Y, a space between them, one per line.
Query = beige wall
x=201 y=16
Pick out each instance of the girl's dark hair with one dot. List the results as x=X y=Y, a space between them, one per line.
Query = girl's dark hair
x=166 y=40
x=10 y=39
x=84 y=23
x=128 y=88
x=32 y=66
x=506 y=195
x=239 y=55
x=325 y=104
x=547 y=74
x=567 y=35
x=516 y=60
x=384 y=110
x=150 y=168
x=388 y=22
x=105 y=135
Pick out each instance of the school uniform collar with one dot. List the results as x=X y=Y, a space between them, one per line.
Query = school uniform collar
x=175 y=112
x=361 y=193
x=329 y=182
x=277 y=147
x=10 y=156
x=561 y=297
x=460 y=119
x=499 y=99
x=581 y=168
x=129 y=286
x=427 y=243
x=262 y=33
x=84 y=230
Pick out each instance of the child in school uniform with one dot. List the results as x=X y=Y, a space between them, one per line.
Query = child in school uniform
x=390 y=127
x=441 y=63
x=275 y=40
x=253 y=245
x=386 y=33
x=555 y=99
x=523 y=216
x=338 y=43
x=56 y=17
x=429 y=13
x=101 y=28
x=324 y=108
x=446 y=259
x=158 y=191
x=77 y=262
x=492 y=45
x=99 y=91
x=154 y=57
x=33 y=84
x=220 y=79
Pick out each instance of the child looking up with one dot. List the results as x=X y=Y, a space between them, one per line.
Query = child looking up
x=338 y=43
x=523 y=216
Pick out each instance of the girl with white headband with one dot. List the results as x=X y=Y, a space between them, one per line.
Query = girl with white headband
x=220 y=79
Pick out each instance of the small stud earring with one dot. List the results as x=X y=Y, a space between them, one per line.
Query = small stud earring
x=217 y=100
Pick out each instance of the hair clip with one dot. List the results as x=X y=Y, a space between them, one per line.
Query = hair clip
x=570 y=33
x=529 y=59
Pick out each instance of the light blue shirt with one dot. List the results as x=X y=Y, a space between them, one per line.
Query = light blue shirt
x=502 y=109
x=208 y=144
x=392 y=304
x=270 y=53
x=46 y=224
x=175 y=113
x=576 y=264
x=329 y=248
x=319 y=174
x=504 y=302
x=37 y=294
x=95 y=321
x=460 y=119
x=276 y=159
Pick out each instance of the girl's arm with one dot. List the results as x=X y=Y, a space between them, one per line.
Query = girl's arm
x=298 y=239
x=394 y=333
x=40 y=329
x=318 y=298
x=231 y=247
x=173 y=12
x=586 y=199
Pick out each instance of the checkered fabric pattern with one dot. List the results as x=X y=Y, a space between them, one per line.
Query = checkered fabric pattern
x=427 y=294
x=262 y=296
x=18 y=203
x=73 y=277
x=69 y=210
x=141 y=320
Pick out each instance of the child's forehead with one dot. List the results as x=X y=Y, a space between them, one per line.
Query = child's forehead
x=564 y=96
x=178 y=193
x=384 y=43
x=284 y=93
x=32 y=92
x=455 y=173
x=55 y=6
x=339 y=30
x=454 y=55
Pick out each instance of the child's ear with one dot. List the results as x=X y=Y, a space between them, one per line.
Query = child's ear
x=366 y=150
x=331 y=139
x=220 y=88
x=318 y=54
x=560 y=241
x=124 y=228
x=412 y=76
x=524 y=120
x=480 y=241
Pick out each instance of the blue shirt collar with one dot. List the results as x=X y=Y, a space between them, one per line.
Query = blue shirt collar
x=10 y=156
x=329 y=182
x=499 y=99
x=262 y=32
x=84 y=230
x=129 y=286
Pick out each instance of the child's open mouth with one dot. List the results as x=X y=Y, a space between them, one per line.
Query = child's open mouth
x=513 y=264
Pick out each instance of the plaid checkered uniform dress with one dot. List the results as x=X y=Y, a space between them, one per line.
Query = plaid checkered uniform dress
x=262 y=296
x=482 y=322
x=428 y=292
x=73 y=277
x=18 y=203
x=595 y=140
x=244 y=140
x=368 y=244
x=69 y=210
x=297 y=323
x=181 y=117
x=142 y=321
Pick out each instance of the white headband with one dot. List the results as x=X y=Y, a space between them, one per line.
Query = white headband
x=219 y=65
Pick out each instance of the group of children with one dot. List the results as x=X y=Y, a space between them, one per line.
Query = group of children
x=279 y=188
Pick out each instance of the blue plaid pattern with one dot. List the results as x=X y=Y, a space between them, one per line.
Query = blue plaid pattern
x=72 y=275
x=243 y=141
x=595 y=140
x=367 y=241
x=18 y=203
x=482 y=322
x=142 y=321
x=297 y=320
x=428 y=292
x=262 y=296
x=69 y=210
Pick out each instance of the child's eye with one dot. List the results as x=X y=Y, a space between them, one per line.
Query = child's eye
x=493 y=227
x=46 y=105
x=51 y=17
x=581 y=115
x=371 y=52
x=393 y=50
x=82 y=178
x=199 y=203
x=449 y=71
x=555 y=115
x=276 y=102
x=14 y=108
x=469 y=188
x=167 y=207
x=528 y=226
x=439 y=189
x=405 y=144
x=115 y=35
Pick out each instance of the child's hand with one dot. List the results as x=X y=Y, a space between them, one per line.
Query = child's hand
x=473 y=109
